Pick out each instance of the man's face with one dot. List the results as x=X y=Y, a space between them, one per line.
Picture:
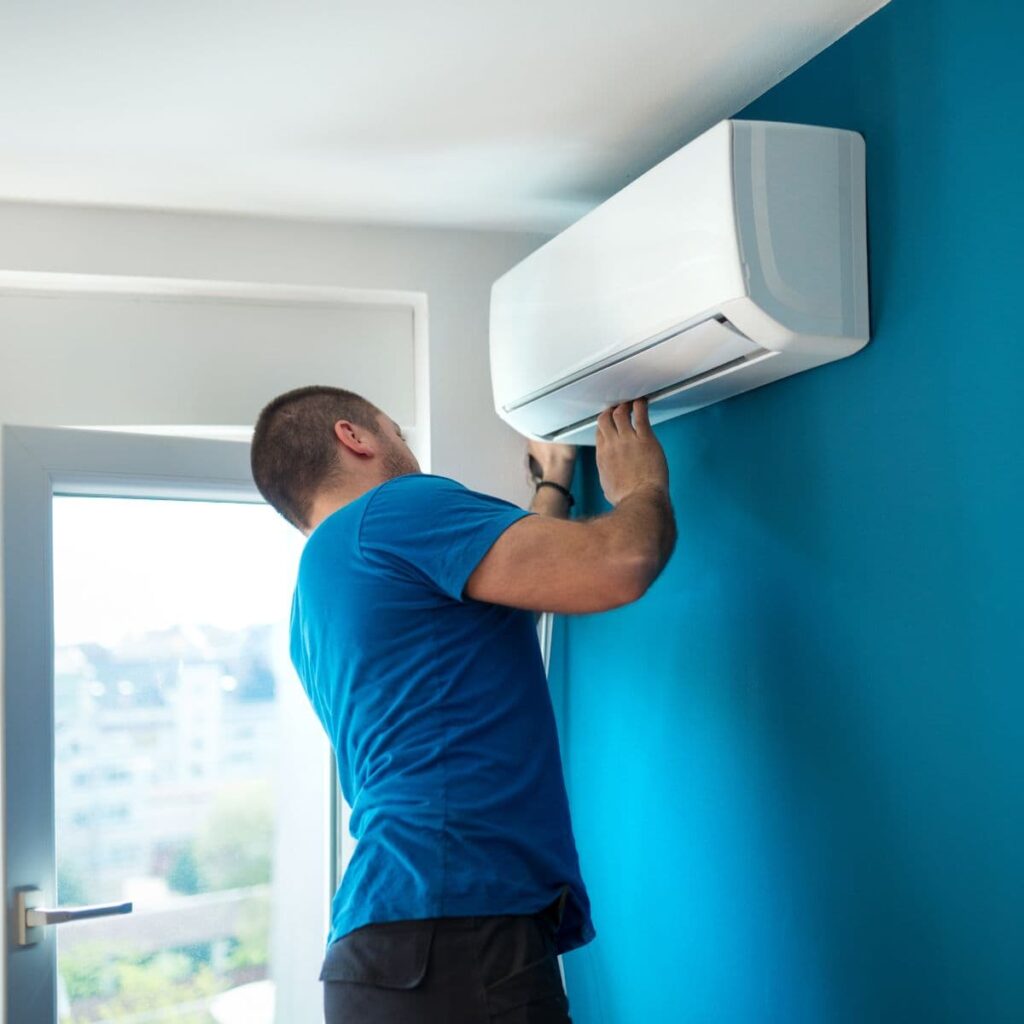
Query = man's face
x=397 y=455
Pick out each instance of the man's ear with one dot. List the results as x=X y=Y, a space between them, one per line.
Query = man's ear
x=355 y=438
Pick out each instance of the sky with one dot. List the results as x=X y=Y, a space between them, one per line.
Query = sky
x=125 y=566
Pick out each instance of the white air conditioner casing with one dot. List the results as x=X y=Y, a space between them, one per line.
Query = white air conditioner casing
x=740 y=259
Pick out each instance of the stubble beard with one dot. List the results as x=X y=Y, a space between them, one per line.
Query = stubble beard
x=399 y=462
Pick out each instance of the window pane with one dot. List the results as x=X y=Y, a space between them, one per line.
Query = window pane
x=185 y=753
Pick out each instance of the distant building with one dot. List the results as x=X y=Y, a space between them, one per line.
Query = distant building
x=146 y=735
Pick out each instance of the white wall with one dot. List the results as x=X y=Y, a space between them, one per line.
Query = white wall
x=452 y=269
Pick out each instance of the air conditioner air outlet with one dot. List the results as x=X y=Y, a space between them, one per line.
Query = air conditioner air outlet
x=708 y=348
x=683 y=396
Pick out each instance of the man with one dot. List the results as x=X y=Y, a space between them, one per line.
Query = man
x=413 y=635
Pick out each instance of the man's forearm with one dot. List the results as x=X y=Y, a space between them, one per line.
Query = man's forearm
x=640 y=531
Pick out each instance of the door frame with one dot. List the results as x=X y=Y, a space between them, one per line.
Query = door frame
x=37 y=463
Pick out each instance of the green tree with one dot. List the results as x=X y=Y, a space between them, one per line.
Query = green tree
x=88 y=970
x=252 y=948
x=234 y=846
x=110 y=983
x=183 y=875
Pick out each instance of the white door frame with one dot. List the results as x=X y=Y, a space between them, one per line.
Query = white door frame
x=38 y=462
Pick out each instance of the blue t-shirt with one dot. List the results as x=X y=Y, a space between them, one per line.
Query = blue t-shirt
x=439 y=713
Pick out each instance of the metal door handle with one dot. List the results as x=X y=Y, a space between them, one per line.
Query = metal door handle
x=39 y=916
x=32 y=918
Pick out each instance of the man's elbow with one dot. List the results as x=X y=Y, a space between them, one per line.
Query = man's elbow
x=630 y=579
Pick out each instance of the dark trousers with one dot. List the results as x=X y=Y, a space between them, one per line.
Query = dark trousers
x=448 y=970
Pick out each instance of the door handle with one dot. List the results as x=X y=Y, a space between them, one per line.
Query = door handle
x=32 y=918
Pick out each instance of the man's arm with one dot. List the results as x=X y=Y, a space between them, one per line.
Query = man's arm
x=548 y=564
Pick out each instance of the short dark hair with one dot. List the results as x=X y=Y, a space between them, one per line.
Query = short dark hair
x=293 y=450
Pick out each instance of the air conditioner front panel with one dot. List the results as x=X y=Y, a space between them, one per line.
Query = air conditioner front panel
x=685 y=355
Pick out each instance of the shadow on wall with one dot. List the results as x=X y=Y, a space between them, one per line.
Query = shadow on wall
x=795 y=766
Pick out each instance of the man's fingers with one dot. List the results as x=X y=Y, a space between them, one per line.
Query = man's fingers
x=615 y=421
x=621 y=418
x=641 y=418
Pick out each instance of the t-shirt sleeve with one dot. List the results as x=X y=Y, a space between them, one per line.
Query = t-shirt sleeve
x=434 y=529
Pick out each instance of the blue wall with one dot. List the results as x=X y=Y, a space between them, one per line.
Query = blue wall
x=797 y=765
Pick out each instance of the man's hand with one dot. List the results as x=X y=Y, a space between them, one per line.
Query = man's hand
x=554 y=462
x=551 y=461
x=548 y=563
x=628 y=454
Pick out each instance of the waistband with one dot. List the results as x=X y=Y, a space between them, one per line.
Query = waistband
x=550 y=915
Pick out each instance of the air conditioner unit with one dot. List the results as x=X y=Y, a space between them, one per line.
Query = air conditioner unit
x=738 y=260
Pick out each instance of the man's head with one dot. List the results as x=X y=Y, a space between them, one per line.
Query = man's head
x=317 y=447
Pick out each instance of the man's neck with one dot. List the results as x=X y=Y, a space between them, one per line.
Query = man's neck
x=326 y=504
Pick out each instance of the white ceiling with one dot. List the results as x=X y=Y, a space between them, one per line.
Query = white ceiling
x=493 y=113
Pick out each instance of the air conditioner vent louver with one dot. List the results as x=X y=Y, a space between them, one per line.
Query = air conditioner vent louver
x=648 y=369
x=671 y=399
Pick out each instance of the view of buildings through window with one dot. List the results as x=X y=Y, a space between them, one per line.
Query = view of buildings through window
x=170 y=661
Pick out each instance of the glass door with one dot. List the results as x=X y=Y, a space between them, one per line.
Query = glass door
x=168 y=829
